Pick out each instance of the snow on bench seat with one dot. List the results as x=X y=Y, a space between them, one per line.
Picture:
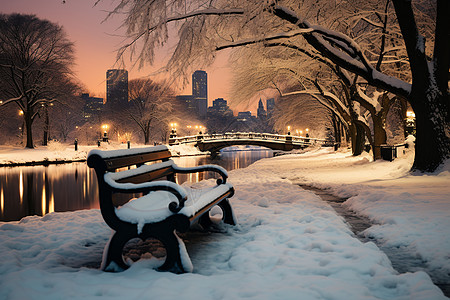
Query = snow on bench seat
x=153 y=207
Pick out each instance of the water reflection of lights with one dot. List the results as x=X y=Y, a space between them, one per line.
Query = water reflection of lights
x=51 y=205
x=21 y=187
x=44 y=200
x=2 y=200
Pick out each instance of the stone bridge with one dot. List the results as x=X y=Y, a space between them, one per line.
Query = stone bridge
x=215 y=142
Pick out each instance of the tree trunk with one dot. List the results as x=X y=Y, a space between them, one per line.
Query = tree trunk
x=146 y=136
x=429 y=95
x=432 y=143
x=46 y=126
x=379 y=136
x=357 y=138
x=28 y=127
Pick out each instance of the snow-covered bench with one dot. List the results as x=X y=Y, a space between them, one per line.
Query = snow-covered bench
x=162 y=207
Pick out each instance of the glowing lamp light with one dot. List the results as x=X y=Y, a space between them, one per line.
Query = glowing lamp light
x=410 y=114
x=105 y=127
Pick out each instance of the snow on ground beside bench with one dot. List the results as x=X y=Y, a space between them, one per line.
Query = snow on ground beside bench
x=288 y=245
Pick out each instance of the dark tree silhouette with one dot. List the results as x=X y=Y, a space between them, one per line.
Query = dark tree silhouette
x=35 y=65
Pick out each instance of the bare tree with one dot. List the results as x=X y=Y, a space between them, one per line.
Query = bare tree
x=35 y=65
x=207 y=27
x=150 y=103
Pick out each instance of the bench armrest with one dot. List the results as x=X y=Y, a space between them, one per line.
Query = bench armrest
x=146 y=187
x=204 y=168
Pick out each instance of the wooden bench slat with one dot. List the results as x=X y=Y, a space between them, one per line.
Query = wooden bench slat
x=114 y=163
x=150 y=176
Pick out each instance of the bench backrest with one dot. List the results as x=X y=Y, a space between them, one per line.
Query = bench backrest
x=112 y=160
x=116 y=159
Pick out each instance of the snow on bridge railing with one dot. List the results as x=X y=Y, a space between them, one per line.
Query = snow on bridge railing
x=243 y=135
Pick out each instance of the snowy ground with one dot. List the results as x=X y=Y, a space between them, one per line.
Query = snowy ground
x=289 y=244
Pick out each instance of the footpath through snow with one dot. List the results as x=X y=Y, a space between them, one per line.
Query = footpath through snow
x=289 y=244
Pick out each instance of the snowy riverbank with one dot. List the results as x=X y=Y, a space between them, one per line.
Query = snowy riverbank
x=59 y=152
x=289 y=244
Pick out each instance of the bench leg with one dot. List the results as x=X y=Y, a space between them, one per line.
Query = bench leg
x=175 y=248
x=228 y=214
x=113 y=252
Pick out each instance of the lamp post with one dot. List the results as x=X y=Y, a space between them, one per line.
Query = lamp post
x=105 y=133
x=173 y=133
x=289 y=130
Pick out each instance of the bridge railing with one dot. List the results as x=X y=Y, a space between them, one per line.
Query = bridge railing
x=244 y=135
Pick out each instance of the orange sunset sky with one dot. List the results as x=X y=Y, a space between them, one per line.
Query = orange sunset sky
x=96 y=42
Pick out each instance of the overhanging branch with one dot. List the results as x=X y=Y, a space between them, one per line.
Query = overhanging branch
x=281 y=35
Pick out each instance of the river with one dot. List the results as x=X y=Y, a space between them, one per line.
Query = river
x=39 y=190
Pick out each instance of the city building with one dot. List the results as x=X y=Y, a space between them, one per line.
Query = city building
x=261 y=112
x=117 y=88
x=190 y=103
x=92 y=107
x=220 y=108
x=200 y=92
x=244 y=116
x=270 y=105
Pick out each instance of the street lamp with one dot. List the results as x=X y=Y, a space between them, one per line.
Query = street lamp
x=105 y=132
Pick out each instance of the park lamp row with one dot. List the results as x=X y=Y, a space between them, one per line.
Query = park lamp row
x=297 y=131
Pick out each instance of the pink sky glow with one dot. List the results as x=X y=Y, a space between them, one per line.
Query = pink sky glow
x=96 y=42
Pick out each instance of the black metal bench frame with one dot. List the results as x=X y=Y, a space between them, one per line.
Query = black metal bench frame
x=165 y=230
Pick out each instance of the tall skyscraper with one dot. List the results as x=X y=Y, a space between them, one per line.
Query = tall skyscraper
x=261 y=112
x=200 y=91
x=117 y=88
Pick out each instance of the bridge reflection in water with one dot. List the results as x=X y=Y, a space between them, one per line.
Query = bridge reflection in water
x=215 y=142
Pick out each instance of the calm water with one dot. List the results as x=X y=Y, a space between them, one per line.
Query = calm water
x=39 y=190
